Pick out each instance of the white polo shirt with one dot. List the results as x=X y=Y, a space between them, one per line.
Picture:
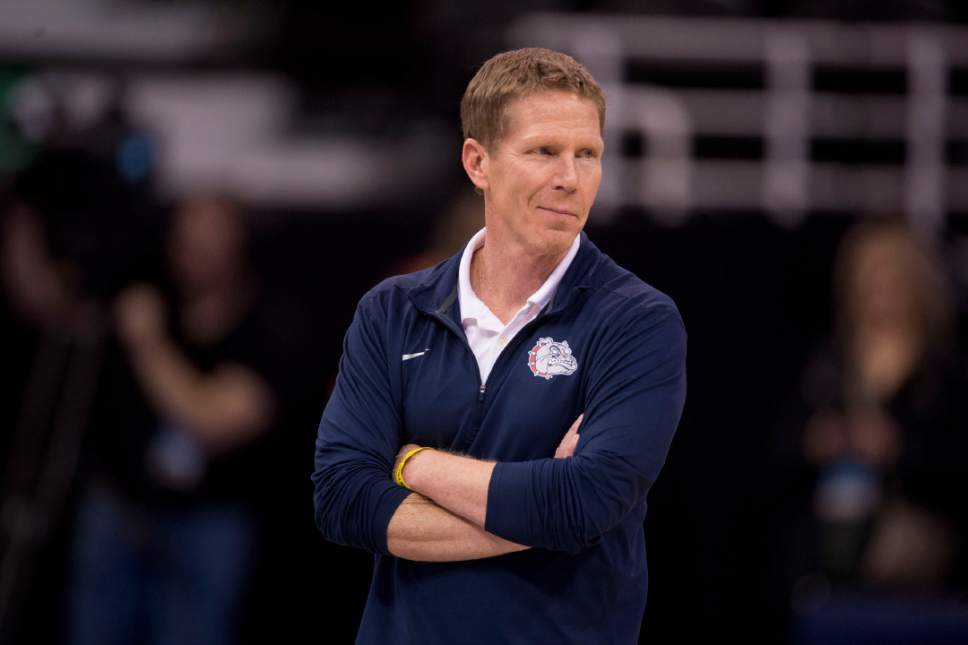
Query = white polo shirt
x=486 y=334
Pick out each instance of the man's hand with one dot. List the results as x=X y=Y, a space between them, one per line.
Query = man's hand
x=570 y=441
x=460 y=484
x=565 y=449
x=140 y=315
x=876 y=438
x=872 y=436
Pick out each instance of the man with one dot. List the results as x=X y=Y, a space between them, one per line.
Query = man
x=459 y=382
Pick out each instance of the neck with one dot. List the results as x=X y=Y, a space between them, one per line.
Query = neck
x=875 y=333
x=208 y=314
x=503 y=277
x=884 y=359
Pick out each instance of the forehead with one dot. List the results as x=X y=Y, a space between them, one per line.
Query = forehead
x=552 y=111
x=206 y=219
x=887 y=247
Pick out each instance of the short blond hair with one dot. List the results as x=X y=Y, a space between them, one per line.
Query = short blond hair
x=515 y=74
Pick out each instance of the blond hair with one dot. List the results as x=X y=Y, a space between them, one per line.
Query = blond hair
x=516 y=74
x=927 y=281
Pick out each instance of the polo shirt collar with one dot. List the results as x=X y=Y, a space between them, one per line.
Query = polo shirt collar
x=473 y=308
x=437 y=292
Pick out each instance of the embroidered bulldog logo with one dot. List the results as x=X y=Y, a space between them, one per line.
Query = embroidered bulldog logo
x=548 y=358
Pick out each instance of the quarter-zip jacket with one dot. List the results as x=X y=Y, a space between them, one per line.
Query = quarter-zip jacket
x=407 y=375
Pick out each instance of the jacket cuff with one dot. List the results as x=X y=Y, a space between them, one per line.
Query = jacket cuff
x=508 y=499
x=390 y=500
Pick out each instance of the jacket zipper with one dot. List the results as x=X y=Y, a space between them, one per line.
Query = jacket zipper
x=482 y=387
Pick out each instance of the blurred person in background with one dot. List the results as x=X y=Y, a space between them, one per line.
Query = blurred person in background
x=875 y=466
x=452 y=227
x=506 y=518
x=165 y=535
x=77 y=225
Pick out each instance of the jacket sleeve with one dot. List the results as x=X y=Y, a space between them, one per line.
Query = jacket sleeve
x=636 y=392
x=358 y=438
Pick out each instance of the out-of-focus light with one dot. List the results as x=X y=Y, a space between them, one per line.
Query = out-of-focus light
x=32 y=110
x=136 y=157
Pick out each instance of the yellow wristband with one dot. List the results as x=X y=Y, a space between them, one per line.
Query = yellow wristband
x=398 y=471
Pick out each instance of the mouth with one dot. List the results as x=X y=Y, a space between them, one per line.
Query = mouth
x=558 y=211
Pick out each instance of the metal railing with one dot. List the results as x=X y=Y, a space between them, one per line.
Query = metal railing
x=786 y=113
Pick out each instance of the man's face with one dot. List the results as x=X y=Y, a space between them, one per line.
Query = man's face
x=206 y=246
x=544 y=173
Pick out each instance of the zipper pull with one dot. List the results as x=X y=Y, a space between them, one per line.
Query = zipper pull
x=481 y=396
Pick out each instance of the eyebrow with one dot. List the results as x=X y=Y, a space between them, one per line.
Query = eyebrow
x=545 y=139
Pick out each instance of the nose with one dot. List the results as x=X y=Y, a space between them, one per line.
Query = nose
x=566 y=174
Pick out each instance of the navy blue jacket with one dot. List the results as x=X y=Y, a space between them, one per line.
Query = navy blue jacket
x=585 y=580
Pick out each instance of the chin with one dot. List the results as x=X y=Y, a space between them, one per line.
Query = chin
x=554 y=242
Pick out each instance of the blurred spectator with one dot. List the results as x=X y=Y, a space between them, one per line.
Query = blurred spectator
x=77 y=224
x=165 y=536
x=454 y=225
x=874 y=460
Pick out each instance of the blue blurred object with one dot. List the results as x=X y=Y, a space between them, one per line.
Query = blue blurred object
x=136 y=157
x=179 y=573
x=847 y=495
x=848 y=491
x=176 y=457
x=853 y=619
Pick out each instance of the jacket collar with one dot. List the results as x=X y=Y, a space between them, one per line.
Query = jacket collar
x=437 y=294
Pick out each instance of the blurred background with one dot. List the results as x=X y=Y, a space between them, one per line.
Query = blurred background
x=194 y=194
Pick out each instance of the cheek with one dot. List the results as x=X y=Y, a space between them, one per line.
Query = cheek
x=511 y=184
x=538 y=181
x=524 y=187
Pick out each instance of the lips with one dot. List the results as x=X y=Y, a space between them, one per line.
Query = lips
x=558 y=211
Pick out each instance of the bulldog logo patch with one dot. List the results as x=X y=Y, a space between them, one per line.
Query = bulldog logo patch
x=548 y=358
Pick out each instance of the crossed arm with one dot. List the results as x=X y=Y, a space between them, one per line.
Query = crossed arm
x=443 y=520
x=223 y=409
x=464 y=508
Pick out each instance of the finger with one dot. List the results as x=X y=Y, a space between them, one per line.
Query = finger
x=576 y=424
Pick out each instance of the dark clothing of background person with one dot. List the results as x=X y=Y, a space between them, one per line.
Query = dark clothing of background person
x=127 y=426
x=166 y=536
x=928 y=475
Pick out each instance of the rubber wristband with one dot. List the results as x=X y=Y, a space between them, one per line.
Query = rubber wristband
x=398 y=471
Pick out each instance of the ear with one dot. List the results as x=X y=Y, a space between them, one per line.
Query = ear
x=475 y=159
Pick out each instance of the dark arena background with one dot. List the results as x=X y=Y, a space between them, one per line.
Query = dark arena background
x=788 y=172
